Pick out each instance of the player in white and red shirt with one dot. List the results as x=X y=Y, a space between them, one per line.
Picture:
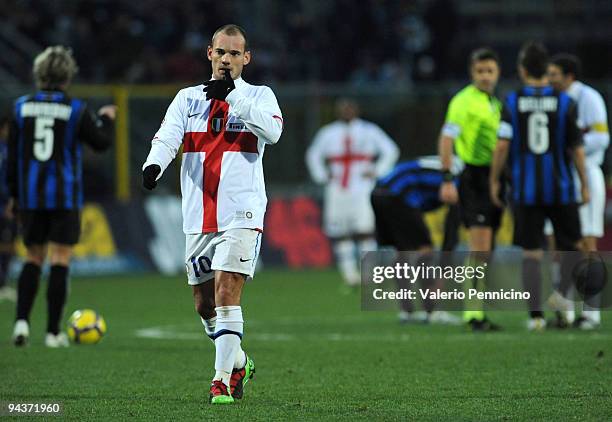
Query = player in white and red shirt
x=223 y=126
x=348 y=155
x=563 y=73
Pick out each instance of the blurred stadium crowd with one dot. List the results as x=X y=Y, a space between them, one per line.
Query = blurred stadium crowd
x=395 y=41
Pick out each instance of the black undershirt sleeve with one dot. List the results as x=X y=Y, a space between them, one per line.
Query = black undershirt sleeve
x=96 y=131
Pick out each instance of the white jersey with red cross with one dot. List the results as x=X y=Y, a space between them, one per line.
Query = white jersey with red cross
x=222 y=181
x=351 y=155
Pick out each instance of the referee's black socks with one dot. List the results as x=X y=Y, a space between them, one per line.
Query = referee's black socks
x=57 y=291
x=27 y=286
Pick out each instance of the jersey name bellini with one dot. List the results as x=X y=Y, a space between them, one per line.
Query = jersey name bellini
x=526 y=104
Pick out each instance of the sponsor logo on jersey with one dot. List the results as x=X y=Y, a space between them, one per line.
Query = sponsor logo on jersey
x=236 y=127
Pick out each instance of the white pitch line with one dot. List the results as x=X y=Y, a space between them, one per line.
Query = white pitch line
x=177 y=332
x=168 y=332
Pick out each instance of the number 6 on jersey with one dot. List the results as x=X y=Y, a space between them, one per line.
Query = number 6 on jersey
x=537 y=132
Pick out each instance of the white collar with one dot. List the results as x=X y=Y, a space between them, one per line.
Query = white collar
x=574 y=89
x=239 y=82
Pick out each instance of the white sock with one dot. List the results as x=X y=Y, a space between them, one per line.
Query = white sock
x=555 y=274
x=228 y=335
x=240 y=360
x=594 y=314
x=345 y=254
x=209 y=327
x=570 y=315
x=367 y=245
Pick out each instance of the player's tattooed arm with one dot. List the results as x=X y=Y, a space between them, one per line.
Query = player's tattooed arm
x=448 y=190
x=500 y=156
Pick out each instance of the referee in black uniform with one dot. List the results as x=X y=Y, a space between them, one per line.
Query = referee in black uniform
x=45 y=181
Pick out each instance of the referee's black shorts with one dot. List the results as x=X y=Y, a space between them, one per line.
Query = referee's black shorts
x=529 y=226
x=397 y=224
x=474 y=198
x=59 y=226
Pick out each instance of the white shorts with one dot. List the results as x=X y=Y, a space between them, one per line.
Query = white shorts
x=347 y=213
x=234 y=250
x=592 y=213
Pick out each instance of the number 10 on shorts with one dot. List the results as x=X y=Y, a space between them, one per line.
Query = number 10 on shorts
x=201 y=264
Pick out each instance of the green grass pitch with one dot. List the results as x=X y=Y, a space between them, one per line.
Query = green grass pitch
x=318 y=356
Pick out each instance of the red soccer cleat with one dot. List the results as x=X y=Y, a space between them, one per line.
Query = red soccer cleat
x=219 y=393
x=240 y=377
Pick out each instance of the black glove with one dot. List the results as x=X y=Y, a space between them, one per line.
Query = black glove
x=219 y=88
x=149 y=174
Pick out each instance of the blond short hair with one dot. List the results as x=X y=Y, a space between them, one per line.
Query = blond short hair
x=54 y=67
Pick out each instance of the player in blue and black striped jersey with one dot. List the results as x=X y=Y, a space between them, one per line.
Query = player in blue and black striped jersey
x=540 y=140
x=401 y=197
x=399 y=201
x=45 y=181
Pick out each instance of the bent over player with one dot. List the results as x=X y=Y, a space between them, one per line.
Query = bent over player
x=45 y=178
x=223 y=125
x=400 y=200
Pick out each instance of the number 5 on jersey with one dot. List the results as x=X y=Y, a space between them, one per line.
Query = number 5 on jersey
x=43 y=138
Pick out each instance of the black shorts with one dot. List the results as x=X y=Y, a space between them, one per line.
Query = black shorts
x=474 y=200
x=529 y=226
x=58 y=226
x=397 y=224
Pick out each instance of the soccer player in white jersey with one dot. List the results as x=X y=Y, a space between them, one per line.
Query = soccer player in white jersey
x=223 y=125
x=563 y=72
x=348 y=155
